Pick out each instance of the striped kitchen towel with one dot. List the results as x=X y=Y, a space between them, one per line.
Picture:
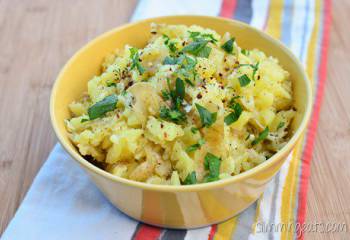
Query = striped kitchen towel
x=63 y=204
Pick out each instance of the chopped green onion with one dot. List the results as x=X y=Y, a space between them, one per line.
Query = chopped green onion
x=194 y=130
x=280 y=125
x=212 y=163
x=100 y=108
x=261 y=136
x=134 y=55
x=84 y=120
x=195 y=146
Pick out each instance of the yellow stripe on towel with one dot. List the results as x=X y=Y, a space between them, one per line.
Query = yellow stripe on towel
x=274 y=23
x=226 y=229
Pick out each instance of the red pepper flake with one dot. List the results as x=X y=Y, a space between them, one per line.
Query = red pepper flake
x=161 y=125
x=220 y=74
x=199 y=95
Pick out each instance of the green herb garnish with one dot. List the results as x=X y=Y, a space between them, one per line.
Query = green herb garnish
x=186 y=68
x=228 y=46
x=245 y=52
x=210 y=37
x=212 y=163
x=166 y=95
x=194 y=35
x=207 y=118
x=244 y=80
x=198 y=48
x=196 y=146
x=100 y=108
x=280 y=125
x=261 y=136
x=172 y=115
x=233 y=116
x=170 y=61
x=233 y=100
x=180 y=88
x=194 y=130
x=111 y=84
x=166 y=39
x=255 y=69
x=190 y=179
x=205 y=36
x=84 y=120
x=172 y=47
x=205 y=52
x=189 y=82
x=135 y=58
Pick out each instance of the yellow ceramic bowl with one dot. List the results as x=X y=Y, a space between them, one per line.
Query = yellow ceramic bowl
x=177 y=206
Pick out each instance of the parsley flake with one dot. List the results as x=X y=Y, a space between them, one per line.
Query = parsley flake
x=195 y=146
x=198 y=48
x=172 y=115
x=180 y=88
x=207 y=118
x=212 y=163
x=228 y=46
x=233 y=116
x=244 y=80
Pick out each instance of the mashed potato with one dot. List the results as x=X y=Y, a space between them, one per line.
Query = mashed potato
x=190 y=107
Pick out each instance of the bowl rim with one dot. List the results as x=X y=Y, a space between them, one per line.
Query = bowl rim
x=195 y=187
